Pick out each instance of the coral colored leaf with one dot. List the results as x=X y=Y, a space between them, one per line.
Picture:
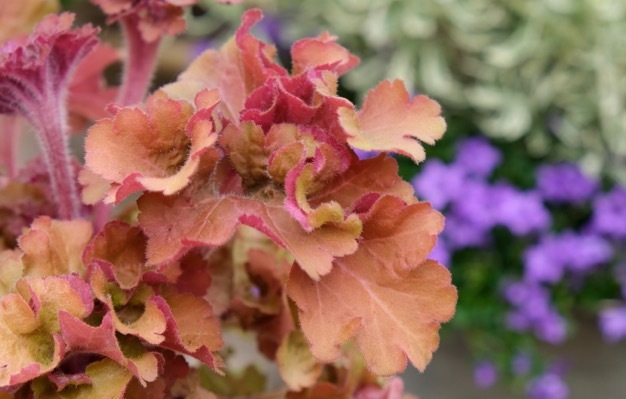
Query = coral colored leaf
x=192 y=328
x=149 y=325
x=242 y=64
x=401 y=235
x=176 y=224
x=82 y=337
x=54 y=247
x=390 y=121
x=297 y=366
x=392 y=317
x=156 y=150
x=375 y=175
x=390 y=303
x=121 y=249
x=29 y=325
x=246 y=150
x=322 y=52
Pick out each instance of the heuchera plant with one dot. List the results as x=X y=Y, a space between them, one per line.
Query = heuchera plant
x=254 y=214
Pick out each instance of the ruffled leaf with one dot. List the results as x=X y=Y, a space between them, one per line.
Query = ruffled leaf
x=390 y=121
x=194 y=220
x=322 y=52
x=54 y=247
x=82 y=337
x=392 y=308
x=29 y=325
x=156 y=150
x=242 y=64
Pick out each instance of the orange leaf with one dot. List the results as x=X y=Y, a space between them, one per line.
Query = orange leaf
x=390 y=121
x=391 y=303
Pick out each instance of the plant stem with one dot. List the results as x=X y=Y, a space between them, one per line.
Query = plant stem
x=141 y=57
x=52 y=133
x=10 y=138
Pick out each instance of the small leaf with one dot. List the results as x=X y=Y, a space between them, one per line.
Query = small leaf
x=390 y=121
x=297 y=366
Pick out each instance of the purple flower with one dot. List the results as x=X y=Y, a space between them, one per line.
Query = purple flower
x=362 y=154
x=533 y=312
x=554 y=254
x=439 y=183
x=613 y=323
x=461 y=233
x=548 y=386
x=485 y=374
x=522 y=212
x=474 y=204
x=609 y=213
x=476 y=156
x=545 y=261
x=564 y=183
x=551 y=328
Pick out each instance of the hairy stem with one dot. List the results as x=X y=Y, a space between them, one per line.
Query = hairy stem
x=9 y=149
x=51 y=126
x=141 y=57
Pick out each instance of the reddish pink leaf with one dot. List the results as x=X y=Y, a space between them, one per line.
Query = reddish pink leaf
x=242 y=64
x=390 y=121
x=80 y=336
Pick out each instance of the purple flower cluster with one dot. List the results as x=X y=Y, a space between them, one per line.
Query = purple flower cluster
x=533 y=311
x=564 y=183
x=553 y=254
x=549 y=259
x=474 y=205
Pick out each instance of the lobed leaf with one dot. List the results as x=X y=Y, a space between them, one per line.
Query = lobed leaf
x=390 y=303
x=390 y=121
x=176 y=224
x=322 y=52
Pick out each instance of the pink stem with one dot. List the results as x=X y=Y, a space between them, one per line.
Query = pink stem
x=10 y=139
x=140 y=63
x=52 y=135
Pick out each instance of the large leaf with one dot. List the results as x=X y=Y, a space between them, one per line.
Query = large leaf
x=391 y=303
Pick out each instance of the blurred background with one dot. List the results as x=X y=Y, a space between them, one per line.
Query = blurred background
x=531 y=174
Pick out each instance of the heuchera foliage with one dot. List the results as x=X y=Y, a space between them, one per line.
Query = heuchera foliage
x=254 y=213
